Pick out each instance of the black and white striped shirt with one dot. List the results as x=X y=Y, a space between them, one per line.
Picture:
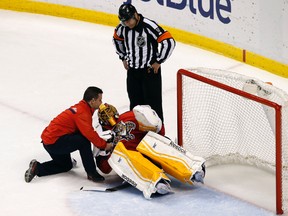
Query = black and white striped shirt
x=139 y=46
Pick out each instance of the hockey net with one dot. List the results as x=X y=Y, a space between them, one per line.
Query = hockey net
x=231 y=118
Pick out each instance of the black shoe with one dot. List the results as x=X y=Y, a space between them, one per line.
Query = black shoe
x=95 y=177
x=32 y=171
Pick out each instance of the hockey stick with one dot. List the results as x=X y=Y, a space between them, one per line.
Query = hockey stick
x=106 y=189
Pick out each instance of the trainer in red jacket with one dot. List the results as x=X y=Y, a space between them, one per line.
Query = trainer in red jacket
x=77 y=118
x=71 y=130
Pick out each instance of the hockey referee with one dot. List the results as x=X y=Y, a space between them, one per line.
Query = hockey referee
x=136 y=40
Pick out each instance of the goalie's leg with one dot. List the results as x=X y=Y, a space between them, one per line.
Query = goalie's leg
x=174 y=159
x=139 y=171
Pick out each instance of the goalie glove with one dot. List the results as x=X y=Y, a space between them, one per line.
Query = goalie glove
x=97 y=152
x=107 y=135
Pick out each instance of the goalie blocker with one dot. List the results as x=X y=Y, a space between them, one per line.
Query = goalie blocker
x=141 y=173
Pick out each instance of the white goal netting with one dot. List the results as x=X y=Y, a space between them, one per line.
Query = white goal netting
x=231 y=118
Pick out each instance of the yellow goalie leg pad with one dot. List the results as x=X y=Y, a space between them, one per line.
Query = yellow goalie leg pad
x=134 y=168
x=175 y=160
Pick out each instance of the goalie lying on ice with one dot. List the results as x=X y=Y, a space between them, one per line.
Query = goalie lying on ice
x=141 y=156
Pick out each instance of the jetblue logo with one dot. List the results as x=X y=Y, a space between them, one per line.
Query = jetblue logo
x=209 y=9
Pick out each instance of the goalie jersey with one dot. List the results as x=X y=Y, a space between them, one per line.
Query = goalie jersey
x=128 y=130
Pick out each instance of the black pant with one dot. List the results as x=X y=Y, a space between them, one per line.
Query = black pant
x=60 y=154
x=145 y=89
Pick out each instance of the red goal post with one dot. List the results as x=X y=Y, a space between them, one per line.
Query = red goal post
x=227 y=117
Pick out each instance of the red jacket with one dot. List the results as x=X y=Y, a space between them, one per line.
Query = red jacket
x=133 y=134
x=77 y=118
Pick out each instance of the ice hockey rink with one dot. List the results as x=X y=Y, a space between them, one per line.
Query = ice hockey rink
x=46 y=64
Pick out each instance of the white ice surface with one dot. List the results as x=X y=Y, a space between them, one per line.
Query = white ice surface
x=46 y=63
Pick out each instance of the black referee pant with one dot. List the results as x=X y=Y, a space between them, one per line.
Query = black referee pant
x=145 y=88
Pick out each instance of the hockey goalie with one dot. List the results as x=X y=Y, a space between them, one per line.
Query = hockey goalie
x=142 y=155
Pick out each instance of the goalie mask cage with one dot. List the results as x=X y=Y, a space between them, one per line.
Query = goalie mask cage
x=226 y=117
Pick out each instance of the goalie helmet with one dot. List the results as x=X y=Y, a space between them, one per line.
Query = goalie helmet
x=107 y=114
x=126 y=12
